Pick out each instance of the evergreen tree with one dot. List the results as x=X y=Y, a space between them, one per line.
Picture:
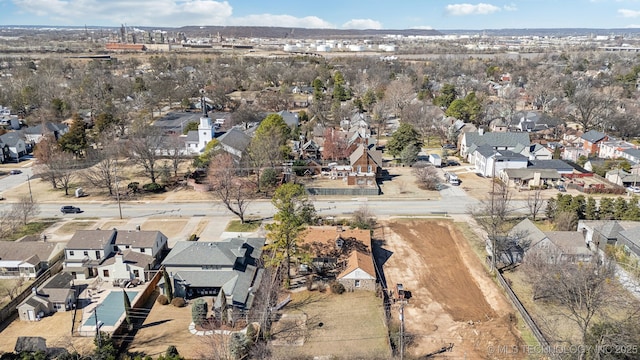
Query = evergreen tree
x=199 y=311
x=619 y=208
x=75 y=140
x=606 y=210
x=591 y=209
x=578 y=206
x=127 y=309
x=168 y=288
x=405 y=136
x=633 y=210
x=551 y=209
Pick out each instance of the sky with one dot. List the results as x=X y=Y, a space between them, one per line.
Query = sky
x=338 y=14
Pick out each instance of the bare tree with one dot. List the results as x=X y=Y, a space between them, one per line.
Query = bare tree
x=175 y=147
x=427 y=176
x=145 y=146
x=103 y=174
x=535 y=202
x=65 y=166
x=234 y=191
x=45 y=152
x=25 y=209
x=590 y=107
x=12 y=287
x=399 y=94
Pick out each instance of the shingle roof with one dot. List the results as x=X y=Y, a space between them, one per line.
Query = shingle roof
x=131 y=257
x=374 y=155
x=224 y=253
x=138 y=238
x=22 y=251
x=497 y=139
x=569 y=242
x=593 y=136
x=291 y=119
x=528 y=174
x=235 y=139
x=633 y=152
x=10 y=138
x=529 y=231
x=359 y=260
x=61 y=280
x=91 y=239
x=49 y=127
x=192 y=136
x=555 y=164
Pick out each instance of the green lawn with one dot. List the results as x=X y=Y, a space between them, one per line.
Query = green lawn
x=248 y=226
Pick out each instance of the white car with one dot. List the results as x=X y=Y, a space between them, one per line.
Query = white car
x=634 y=189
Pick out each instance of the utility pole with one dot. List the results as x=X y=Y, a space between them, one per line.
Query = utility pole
x=401 y=329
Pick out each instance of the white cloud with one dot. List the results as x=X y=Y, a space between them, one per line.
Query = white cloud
x=470 y=9
x=362 y=24
x=628 y=13
x=281 y=20
x=633 y=26
x=139 y=12
x=510 y=7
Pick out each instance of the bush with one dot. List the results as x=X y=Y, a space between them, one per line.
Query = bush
x=199 y=311
x=162 y=300
x=134 y=187
x=193 y=237
x=153 y=187
x=178 y=302
x=337 y=288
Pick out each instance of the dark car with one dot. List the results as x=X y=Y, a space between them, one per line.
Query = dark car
x=449 y=146
x=452 y=163
x=70 y=210
x=15 y=172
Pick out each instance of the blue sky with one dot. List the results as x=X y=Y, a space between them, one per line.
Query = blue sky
x=342 y=14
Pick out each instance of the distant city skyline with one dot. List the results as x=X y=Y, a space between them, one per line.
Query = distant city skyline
x=345 y=14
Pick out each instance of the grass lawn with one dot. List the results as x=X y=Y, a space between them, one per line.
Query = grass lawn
x=73 y=226
x=32 y=228
x=10 y=284
x=350 y=325
x=248 y=226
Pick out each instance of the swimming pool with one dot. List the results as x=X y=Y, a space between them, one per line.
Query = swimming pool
x=110 y=309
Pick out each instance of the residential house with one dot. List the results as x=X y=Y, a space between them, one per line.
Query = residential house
x=496 y=140
x=199 y=269
x=17 y=146
x=633 y=155
x=57 y=294
x=310 y=150
x=623 y=178
x=116 y=251
x=489 y=162
x=535 y=152
x=600 y=233
x=345 y=250
x=613 y=148
x=34 y=134
x=290 y=118
x=235 y=142
x=366 y=165
x=560 y=166
x=498 y=125
x=553 y=246
x=529 y=121
x=630 y=240
x=529 y=178
x=591 y=141
x=5 y=153
x=28 y=258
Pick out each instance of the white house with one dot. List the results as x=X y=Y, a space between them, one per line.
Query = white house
x=613 y=149
x=496 y=140
x=127 y=265
x=17 y=146
x=489 y=162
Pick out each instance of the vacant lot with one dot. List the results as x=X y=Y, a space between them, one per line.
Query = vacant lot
x=171 y=228
x=453 y=300
x=350 y=325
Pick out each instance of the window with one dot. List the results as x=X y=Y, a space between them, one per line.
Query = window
x=98 y=255
x=126 y=246
x=357 y=283
x=105 y=273
x=142 y=250
x=136 y=273
x=85 y=253
x=369 y=168
x=71 y=253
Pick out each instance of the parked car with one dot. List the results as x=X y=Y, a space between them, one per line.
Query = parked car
x=634 y=189
x=15 y=172
x=68 y=209
x=452 y=163
x=449 y=146
x=561 y=188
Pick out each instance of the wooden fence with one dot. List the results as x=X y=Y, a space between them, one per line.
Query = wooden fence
x=9 y=311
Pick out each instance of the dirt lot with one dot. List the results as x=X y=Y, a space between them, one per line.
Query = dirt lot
x=453 y=300
x=351 y=325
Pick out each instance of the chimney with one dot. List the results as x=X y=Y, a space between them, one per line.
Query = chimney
x=481 y=131
x=118 y=258
x=137 y=227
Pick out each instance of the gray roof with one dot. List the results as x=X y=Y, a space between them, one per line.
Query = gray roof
x=48 y=127
x=23 y=251
x=569 y=242
x=61 y=280
x=633 y=152
x=10 y=138
x=235 y=139
x=138 y=238
x=529 y=231
x=497 y=139
x=528 y=174
x=291 y=119
x=91 y=239
x=131 y=257
x=593 y=136
x=555 y=164
x=192 y=136
x=224 y=253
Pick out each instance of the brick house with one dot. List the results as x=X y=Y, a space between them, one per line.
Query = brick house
x=366 y=165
